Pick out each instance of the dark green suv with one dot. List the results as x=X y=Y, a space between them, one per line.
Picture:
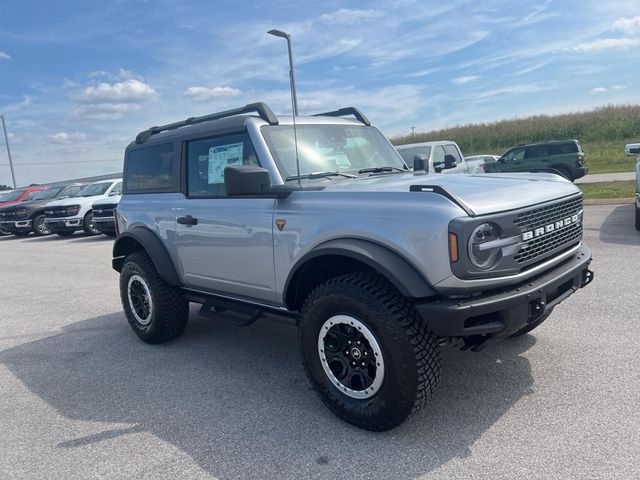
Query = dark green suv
x=563 y=156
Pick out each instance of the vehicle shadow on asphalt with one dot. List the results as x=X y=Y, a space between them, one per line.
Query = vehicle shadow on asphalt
x=618 y=227
x=237 y=401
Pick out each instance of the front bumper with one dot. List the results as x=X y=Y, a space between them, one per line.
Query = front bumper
x=16 y=225
x=500 y=313
x=64 y=224
x=104 y=224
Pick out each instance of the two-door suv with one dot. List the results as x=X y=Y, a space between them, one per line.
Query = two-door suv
x=322 y=224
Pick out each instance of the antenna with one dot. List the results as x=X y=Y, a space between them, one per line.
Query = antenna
x=294 y=97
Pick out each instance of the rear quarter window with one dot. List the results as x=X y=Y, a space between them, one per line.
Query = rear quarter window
x=151 y=168
x=563 y=148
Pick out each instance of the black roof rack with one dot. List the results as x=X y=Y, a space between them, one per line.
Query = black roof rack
x=346 y=111
x=261 y=108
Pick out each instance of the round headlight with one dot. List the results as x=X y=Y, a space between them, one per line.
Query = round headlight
x=481 y=255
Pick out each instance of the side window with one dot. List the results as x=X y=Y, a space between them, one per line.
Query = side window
x=515 y=155
x=207 y=159
x=72 y=191
x=117 y=189
x=407 y=154
x=150 y=169
x=30 y=195
x=537 y=151
x=452 y=150
x=438 y=155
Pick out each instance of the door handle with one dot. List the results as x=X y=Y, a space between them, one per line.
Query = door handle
x=187 y=220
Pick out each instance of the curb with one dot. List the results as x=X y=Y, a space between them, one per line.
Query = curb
x=609 y=201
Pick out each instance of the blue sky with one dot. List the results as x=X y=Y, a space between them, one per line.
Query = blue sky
x=79 y=79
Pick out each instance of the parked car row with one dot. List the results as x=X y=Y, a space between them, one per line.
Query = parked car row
x=562 y=157
x=63 y=210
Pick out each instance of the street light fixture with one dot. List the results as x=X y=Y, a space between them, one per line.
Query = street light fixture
x=292 y=78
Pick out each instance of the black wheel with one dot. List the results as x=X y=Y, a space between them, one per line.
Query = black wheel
x=88 y=226
x=565 y=172
x=637 y=217
x=532 y=326
x=366 y=351
x=65 y=233
x=4 y=232
x=156 y=311
x=40 y=227
x=21 y=233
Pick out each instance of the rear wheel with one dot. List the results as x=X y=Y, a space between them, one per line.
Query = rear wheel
x=40 y=227
x=88 y=226
x=366 y=351
x=156 y=311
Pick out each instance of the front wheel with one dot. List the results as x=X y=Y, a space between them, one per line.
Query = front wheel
x=88 y=226
x=40 y=227
x=156 y=311
x=366 y=351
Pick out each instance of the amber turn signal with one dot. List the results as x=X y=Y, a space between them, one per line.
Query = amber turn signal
x=453 y=247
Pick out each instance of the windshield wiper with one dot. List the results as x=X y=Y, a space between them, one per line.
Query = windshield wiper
x=381 y=170
x=319 y=175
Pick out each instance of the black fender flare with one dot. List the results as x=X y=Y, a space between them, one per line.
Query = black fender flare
x=152 y=245
x=388 y=263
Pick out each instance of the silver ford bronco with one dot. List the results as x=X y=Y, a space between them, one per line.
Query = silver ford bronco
x=318 y=221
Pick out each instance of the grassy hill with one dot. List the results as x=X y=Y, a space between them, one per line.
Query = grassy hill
x=602 y=131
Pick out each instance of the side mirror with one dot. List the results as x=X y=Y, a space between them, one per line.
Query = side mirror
x=420 y=163
x=450 y=162
x=632 y=149
x=113 y=194
x=245 y=180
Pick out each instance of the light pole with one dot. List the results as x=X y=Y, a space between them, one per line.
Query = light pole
x=6 y=141
x=292 y=78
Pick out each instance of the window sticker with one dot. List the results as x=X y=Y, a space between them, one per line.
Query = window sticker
x=223 y=156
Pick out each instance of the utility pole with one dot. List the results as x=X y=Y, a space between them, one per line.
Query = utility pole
x=413 y=131
x=6 y=141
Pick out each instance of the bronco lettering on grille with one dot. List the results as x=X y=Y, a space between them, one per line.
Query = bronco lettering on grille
x=552 y=227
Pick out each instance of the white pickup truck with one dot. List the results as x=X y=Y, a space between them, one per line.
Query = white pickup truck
x=443 y=156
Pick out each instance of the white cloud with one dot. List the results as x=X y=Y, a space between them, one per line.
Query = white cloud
x=597 y=90
x=465 y=79
x=204 y=94
x=68 y=137
x=605 y=44
x=630 y=26
x=618 y=87
x=346 y=16
x=104 y=111
x=4 y=56
x=131 y=90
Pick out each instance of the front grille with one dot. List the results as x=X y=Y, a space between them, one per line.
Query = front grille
x=7 y=215
x=56 y=212
x=540 y=247
x=104 y=210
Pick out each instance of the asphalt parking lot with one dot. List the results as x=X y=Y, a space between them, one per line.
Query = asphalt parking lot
x=82 y=397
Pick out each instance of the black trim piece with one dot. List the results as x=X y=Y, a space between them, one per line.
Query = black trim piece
x=346 y=111
x=153 y=246
x=445 y=193
x=261 y=108
x=388 y=263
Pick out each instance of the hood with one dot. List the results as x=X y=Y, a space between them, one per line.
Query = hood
x=481 y=194
x=75 y=201
x=112 y=200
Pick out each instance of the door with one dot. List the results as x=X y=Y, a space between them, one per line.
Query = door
x=225 y=244
x=535 y=157
x=512 y=161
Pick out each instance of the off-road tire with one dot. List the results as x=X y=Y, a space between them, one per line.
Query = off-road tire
x=532 y=326
x=39 y=231
x=170 y=310
x=87 y=225
x=410 y=352
x=65 y=234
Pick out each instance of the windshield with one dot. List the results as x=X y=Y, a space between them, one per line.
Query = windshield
x=11 y=196
x=47 y=194
x=334 y=148
x=94 y=189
